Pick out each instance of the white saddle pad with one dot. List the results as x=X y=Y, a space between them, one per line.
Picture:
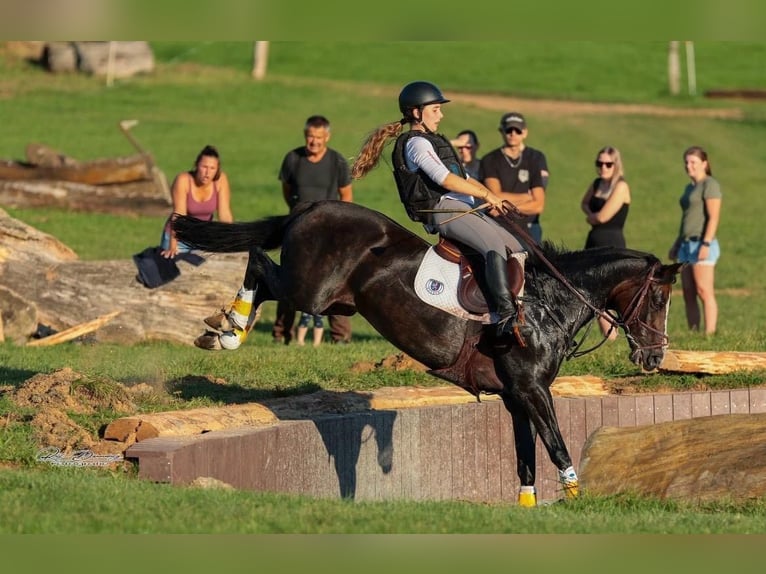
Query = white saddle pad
x=436 y=283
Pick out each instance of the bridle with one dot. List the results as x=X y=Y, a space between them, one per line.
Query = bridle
x=630 y=315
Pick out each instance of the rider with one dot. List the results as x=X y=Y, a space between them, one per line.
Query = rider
x=430 y=176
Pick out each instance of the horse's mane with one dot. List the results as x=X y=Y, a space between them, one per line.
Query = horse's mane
x=581 y=261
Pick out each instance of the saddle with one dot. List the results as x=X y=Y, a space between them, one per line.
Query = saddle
x=469 y=291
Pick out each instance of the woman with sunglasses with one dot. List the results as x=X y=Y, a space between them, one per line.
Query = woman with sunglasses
x=606 y=203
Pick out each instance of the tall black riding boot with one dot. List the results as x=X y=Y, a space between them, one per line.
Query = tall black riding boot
x=500 y=298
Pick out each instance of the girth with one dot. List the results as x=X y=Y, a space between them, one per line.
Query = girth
x=469 y=291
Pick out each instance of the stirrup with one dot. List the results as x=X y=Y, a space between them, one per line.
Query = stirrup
x=511 y=325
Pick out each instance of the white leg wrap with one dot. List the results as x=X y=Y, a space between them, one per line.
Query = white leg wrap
x=231 y=340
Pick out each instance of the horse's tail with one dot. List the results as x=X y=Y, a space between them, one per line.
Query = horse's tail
x=218 y=237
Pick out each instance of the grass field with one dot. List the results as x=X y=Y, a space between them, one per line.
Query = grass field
x=202 y=93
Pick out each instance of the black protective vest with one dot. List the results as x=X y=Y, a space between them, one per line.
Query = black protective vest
x=416 y=190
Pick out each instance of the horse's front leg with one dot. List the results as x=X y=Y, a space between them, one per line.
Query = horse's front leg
x=536 y=399
x=524 y=436
x=530 y=402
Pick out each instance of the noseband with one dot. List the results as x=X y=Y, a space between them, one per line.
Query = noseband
x=629 y=318
x=631 y=314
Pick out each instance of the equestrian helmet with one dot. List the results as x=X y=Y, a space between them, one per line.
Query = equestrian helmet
x=418 y=94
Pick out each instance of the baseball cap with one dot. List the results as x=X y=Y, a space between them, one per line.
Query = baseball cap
x=513 y=120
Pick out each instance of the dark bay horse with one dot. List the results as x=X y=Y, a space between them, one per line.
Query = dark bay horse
x=342 y=258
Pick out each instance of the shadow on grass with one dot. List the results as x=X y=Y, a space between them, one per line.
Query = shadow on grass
x=15 y=377
x=193 y=387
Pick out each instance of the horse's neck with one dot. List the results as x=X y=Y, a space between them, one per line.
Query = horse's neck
x=589 y=289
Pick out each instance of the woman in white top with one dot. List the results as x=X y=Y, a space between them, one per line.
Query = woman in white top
x=430 y=177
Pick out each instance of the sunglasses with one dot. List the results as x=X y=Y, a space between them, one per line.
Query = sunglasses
x=465 y=147
x=604 y=163
x=513 y=131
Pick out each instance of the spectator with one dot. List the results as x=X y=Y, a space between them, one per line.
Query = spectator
x=303 y=328
x=606 y=203
x=518 y=173
x=696 y=244
x=201 y=193
x=313 y=172
x=467 y=145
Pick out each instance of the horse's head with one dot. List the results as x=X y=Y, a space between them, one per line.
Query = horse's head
x=642 y=304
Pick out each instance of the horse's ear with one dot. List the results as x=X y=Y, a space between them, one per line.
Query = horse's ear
x=667 y=273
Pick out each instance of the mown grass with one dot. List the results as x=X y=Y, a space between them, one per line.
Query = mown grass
x=85 y=501
x=202 y=93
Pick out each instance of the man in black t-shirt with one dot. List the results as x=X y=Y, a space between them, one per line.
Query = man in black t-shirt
x=310 y=173
x=518 y=173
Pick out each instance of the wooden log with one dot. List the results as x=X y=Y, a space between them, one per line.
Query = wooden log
x=18 y=316
x=696 y=460
x=188 y=422
x=22 y=242
x=74 y=332
x=712 y=362
x=45 y=156
x=96 y=172
x=64 y=290
x=134 y=198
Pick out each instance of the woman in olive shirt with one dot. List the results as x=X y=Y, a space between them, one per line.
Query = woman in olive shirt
x=696 y=244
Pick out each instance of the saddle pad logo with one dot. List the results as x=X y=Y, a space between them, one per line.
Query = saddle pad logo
x=434 y=286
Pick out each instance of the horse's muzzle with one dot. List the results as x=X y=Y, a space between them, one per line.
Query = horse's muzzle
x=648 y=360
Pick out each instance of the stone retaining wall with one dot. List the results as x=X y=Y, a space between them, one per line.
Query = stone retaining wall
x=441 y=452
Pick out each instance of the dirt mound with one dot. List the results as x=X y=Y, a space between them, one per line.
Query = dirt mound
x=58 y=395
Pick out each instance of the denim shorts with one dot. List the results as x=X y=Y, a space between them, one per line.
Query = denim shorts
x=689 y=252
x=165 y=243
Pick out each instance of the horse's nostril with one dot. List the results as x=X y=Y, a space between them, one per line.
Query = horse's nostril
x=653 y=362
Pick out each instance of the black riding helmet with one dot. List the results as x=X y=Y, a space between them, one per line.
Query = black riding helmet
x=419 y=94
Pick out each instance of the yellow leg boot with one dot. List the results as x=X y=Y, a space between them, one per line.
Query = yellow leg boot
x=527 y=497
x=570 y=482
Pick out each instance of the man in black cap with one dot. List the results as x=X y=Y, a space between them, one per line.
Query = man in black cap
x=518 y=173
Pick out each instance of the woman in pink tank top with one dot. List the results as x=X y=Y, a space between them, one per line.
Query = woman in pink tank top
x=200 y=193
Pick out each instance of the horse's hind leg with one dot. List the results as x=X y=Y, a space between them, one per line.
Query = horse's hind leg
x=237 y=322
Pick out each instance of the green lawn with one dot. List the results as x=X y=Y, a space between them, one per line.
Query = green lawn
x=203 y=93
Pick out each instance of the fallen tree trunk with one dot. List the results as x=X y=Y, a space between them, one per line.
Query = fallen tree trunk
x=712 y=362
x=134 y=198
x=96 y=172
x=67 y=292
x=188 y=422
x=697 y=460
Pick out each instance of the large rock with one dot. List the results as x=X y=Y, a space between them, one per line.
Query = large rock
x=126 y=58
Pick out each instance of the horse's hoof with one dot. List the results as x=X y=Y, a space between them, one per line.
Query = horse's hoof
x=219 y=321
x=572 y=489
x=527 y=499
x=209 y=340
